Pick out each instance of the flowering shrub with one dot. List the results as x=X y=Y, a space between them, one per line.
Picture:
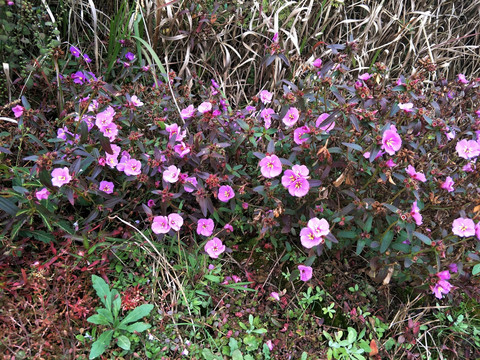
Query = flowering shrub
x=358 y=167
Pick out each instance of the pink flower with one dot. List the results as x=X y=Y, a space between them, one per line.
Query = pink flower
x=112 y=159
x=408 y=107
x=463 y=227
x=110 y=131
x=106 y=187
x=365 y=76
x=18 y=111
x=291 y=117
x=470 y=167
x=175 y=221
x=308 y=238
x=477 y=231
x=181 y=149
x=205 y=227
x=171 y=174
x=265 y=97
x=214 y=247
x=391 y=141
x=225 y=193
x=136 y=101
x=187 y=112
x=415 y=175
x=132 y=167
x=319 y=227
x=467 y=149
x=317 y=63
x=298 y=134
x=228 y=228
x=290 y=176
x=123 y=161
x=327 y=128
x=275 y=295
x=305 y=272
x=205 y=107
x=269 y=344
x=390 y=163
x=448 y=184
x=415 y=212
x=266 y=114
x=105 y=117
x=190 y=184
x=299 y=188
x=453 y=268
x=160 y=225
x=173 y=130
x=42 y=194
x=150 y=203
x=462 y=79
x=60 y=177
x=443 y=275
x=441 y=288
x=270 y=166
x=450 y=135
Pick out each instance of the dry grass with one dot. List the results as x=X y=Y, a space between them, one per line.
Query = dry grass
x=227 y=42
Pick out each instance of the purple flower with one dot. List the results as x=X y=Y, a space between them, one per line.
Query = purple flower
x=463 y=227
x=391 y=141
x=214 y=247
x=60 y=177
x=305 y=272
x=129 y=56
x=42 y=194
x=266 y=114
x=327 y=128
x=299 y=188
x=87 y=58
x=441 y=288
x=78 y=78
x=225 y=193
x=390 y=163
x=205 y=227
x=477 y=231
x=467 y=149
x=228 y=228
x=75 y=52
x=187 y=112
x=205 y=107
x=214 y=84
x=453 y=268
x=317 y=63
x=171 y=174
x=132 y=167
x=276 y=296
x=181 y=149
x=106 y=187
x=270 y=166
x=190 y=184
x=150 y=203
x=175 y=130
x=175 y=221
x=291 y=117
x=266 y=97
x=448 y=184
x=415 y=175
x=298 y=137
x=105 y=117
x=462 y=79
x=443 y=275
x=365 y=76
x=18 y=111
x=160 y=225
x=415 y=212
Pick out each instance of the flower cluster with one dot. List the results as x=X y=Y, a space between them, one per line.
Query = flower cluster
x=442 y=286
x=296 y=180
x=315 y=232
x=163 y=224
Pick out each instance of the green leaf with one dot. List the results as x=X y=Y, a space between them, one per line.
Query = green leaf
x=106 y=313
x=117 y=303
x=99 y=319
x=476 y=269
x=243 y=124
x=123 y=342
x=213 y=278
x=386 y=241
x=237 y=355
x=138 y=327
x=137 y=313
x=103 y=291
x=102 y=343
x=423 y=238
